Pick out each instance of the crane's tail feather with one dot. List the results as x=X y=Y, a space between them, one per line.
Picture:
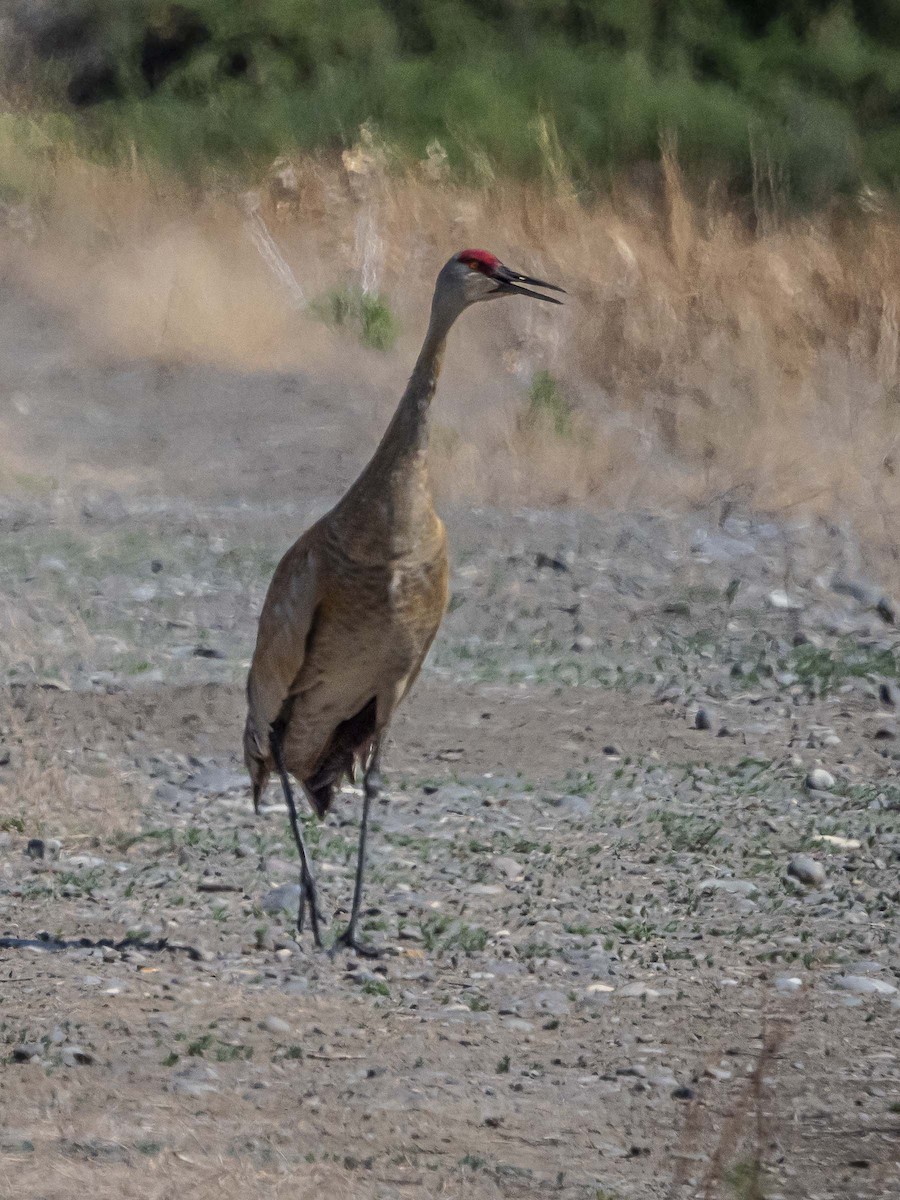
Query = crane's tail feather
x=257 y=767
x=351 y=744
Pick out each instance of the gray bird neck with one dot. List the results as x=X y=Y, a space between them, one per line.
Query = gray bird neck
x=396 y=477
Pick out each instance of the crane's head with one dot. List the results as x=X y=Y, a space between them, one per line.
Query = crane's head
x=474 y=275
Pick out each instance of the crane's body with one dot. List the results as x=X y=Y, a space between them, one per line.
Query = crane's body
x=364 y=641
x=355 y=604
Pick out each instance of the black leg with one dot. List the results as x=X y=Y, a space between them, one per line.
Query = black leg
x=372 y=783
x=307 y=883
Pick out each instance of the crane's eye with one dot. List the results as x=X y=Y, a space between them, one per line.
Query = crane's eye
x=473 y=264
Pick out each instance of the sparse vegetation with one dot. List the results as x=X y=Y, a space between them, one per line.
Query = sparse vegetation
x=741 y=337
x=369 y=316
x=548 y=409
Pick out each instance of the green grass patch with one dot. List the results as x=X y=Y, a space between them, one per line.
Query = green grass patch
x=366 y=314
x=547 y=407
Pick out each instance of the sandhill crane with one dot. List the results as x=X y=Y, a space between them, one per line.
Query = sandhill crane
x=354 y=605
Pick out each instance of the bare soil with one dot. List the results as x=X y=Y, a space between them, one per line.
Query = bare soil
x=599 y=980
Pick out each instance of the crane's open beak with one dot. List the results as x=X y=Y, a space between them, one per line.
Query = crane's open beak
x=511 y=282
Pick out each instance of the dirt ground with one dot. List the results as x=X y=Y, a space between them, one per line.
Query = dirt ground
x=600 y=981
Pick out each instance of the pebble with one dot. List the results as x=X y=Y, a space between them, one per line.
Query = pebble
x=840 y=843
x=662 y=1080
x=26 y=1052
x=788 y=983
x=866 y=966
x=35 y=848
x=820 y=780
x=509 y=867
x=718 y=1073
x=781 y=600
x=637 y=989
x=518 y=1024
x=275 y=1024
x=702 y=719
x=75 y=1056
x=281 y=899
x=807 y=870
x=861 y=985
x=734 y=887
x=552 y=1002
x=889 y=694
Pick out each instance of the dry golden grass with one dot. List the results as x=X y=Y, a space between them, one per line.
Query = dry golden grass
x=700 y=359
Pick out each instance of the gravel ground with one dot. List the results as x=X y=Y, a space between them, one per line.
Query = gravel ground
x=635 y=875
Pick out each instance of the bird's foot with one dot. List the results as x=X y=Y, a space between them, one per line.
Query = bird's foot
x=349 y=941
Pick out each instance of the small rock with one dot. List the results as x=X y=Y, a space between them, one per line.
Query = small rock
x=76 y=1056
x=26 y=1052
x=718 y=1073
x=781 y=600
x=861 y=985
x=509 y=867
x=208 y=652
x=273 y=1024
x=820 y=780
x=35 y=848
x=840 y=843
x=662 y=1080
x=518 y=1024
x=807 y=870
x=702 y=719
x=285 y=898
x=554 y=561
x=85 y=862
x=887 y=610
x=865 y=966
x=683 y=1093
x=889 y=694
x=788 y=983
x=552 y=1002
x=637 y=989
x=734 y=887
x=582 y=644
